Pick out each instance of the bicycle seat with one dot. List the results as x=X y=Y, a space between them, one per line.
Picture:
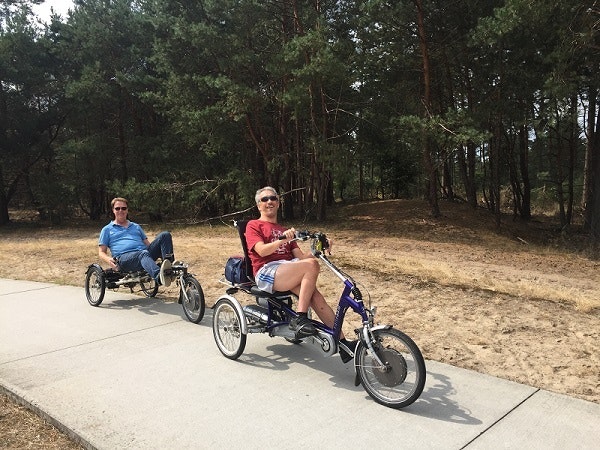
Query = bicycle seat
x=254 y=290
x=241 y=227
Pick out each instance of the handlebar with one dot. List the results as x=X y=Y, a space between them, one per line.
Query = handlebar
x=318 y=245
x=320 y=241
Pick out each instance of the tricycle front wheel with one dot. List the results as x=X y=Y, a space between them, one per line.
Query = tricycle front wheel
x=401 y=380
x=95 y=285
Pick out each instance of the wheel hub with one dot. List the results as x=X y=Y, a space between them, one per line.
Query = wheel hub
x=395 y=371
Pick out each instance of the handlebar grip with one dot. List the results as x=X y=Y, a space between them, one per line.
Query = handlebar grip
x=298 y=236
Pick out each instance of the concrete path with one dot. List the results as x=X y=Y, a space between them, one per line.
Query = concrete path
x=135 y=374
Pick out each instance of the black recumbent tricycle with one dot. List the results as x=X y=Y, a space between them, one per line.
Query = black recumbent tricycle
x=191 y=296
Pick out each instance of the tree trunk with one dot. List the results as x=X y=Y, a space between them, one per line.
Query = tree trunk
x=495 y=172
x=427 y=158
x=594 y=184
x=589 y=152
x=524 y=167
x=122 y=143
x=573 y=126
x=558 y=163
x=448 y=189
x=4 y=217
x=361 y=180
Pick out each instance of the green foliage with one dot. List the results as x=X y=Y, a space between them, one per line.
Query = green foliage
x=186 y=108
x=164 y=201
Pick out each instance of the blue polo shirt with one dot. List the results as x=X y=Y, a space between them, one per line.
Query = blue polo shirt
x=121 y=239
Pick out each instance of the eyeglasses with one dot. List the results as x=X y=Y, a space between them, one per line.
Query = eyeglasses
x=120 y=208
x=273 y=198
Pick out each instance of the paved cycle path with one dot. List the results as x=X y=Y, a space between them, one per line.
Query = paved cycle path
x=135 y=374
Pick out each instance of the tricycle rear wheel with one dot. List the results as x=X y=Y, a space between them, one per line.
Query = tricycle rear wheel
x=193 y=301
x=227 y=329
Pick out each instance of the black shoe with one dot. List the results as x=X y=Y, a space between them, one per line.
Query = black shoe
x=302 y=326
x=344 y=354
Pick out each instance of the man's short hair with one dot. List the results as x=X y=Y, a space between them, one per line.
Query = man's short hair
x=118 y=199
x=261 y=190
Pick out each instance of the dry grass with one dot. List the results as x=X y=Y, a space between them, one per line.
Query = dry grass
x=510 y=303
x=387 y=238
x=477 y=269
x=21 y=428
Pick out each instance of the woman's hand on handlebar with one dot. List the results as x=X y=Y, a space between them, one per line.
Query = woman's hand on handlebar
x=289 y=234
x=292 y=235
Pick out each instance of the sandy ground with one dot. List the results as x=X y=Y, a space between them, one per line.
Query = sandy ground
x=510 y=303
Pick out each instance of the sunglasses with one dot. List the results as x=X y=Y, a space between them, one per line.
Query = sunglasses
x=120 y=208
x=273 y=198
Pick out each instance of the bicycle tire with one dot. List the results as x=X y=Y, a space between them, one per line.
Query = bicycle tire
x=227 y=329
x=193 y=302
x=402 y=380
x=149 y=287
x=95 y=285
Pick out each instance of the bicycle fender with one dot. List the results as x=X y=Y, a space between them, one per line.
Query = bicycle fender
x=365 y=341
x=238 y=308
x=381 y=327
x=97 y=266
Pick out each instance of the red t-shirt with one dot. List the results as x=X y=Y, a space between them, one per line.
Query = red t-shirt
x=261 y=231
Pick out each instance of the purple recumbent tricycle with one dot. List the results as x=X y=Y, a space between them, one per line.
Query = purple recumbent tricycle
x=388 y=364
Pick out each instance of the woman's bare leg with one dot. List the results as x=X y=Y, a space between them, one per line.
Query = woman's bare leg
x=300 y=277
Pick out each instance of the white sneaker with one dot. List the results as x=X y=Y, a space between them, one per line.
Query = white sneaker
x=164 y=275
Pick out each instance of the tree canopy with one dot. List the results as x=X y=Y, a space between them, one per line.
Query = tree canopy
x=188 y=107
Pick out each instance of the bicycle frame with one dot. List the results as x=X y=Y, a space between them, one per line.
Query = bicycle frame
x=355 y=303
x=350 y=298
x=128 y=279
